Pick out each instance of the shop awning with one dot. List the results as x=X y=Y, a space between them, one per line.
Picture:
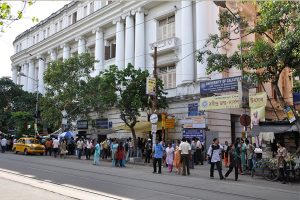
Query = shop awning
x=140 y=127
x=273 y=127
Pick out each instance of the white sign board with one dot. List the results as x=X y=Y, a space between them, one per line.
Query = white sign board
x=153 y=118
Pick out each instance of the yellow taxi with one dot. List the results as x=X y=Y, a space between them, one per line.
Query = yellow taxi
x=28 y=146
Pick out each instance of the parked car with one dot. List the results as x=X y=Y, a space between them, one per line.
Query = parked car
x=28 y=146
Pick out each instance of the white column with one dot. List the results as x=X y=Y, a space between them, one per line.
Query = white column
x=120 y=43
x=41 y=85
x=188 y=54
x=129 y=40
x=25 y=79
x=30 y=81
x=14 y=74
x=53 y=55
x=140 y=39
x=202 y=33
x=81 y=45
x=66 y=51
x=99 y=51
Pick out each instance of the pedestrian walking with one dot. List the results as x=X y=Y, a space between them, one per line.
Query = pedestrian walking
x=281 y=155
x=170 y=157
x=55 y=145
x=250 y=153
x=199 y=150
x=185 y=152
x=79 y=147
x=3 y=144
x=234 y=153
x=193 y=152
x=114 y=147
x=157 y=158
x=226 y=154
x=89 y=146
x=48 y=147
x=139 y=147
x=120 y=155
x=97 y=154
x=63 y=149
x=243 y=157
x=177 y=160
x=148 y=148
x=214 y=156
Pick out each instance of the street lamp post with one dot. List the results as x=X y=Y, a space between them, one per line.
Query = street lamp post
x=37 y=101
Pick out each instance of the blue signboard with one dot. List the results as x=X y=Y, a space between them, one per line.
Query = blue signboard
x=219 y=85
x=194 y=132
x=296 y=98
x=82 y=124
x=193 y=110
x=102 y=123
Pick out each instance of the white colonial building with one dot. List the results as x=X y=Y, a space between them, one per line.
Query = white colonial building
x=121 y=32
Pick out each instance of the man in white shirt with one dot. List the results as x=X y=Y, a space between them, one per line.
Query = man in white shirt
x=3 y=144
x=55 y=147
x=199 y=149
x=79 y=146
x=214 y=155
x=89 y=145
x=185 y=152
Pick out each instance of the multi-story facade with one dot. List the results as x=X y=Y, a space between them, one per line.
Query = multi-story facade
x=121 y=32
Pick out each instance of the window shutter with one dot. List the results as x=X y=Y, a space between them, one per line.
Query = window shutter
x=113 y=51
x=107 y=52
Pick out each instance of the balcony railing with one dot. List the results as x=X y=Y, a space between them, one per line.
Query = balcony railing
x=166 y=45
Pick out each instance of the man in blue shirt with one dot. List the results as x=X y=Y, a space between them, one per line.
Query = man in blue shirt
x=158 y=154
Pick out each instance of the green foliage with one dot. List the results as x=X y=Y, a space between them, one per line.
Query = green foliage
x=69 y=86
x=6 y=15
x=277 y=44
x=14 y=100
x=21 y=120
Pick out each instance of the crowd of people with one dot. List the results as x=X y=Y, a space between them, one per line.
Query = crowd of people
x=181 y=155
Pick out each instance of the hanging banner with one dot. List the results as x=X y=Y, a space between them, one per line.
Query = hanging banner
x=231 y=101
x=170 y=123
x=194 y=122
x=290 y=115
x=257 y=115
x=150 y=86
x=191 y=133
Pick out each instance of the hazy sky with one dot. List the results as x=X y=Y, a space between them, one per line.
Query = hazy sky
x=41 y=10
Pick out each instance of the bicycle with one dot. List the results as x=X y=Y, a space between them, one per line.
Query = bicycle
x=268 y=168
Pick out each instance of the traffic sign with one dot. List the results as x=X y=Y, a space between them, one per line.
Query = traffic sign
x=153 y=118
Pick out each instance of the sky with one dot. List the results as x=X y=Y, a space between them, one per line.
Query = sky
x=40 y=10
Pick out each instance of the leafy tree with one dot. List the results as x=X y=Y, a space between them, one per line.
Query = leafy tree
x=276 y=48
x=127 y=90
x=7 y=17
x=66 y=85
x=14 y=100
x=21 y=120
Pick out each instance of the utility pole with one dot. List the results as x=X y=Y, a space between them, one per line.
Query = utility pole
x=154 y=117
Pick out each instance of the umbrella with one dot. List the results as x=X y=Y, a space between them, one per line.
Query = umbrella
x=68 y=134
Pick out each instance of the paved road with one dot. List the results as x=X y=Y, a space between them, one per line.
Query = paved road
x=76 y=179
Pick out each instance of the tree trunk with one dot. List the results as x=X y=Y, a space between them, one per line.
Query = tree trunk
x=284 y=105
x=134 y=139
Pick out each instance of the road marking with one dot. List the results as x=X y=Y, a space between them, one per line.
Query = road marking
x=65 y=190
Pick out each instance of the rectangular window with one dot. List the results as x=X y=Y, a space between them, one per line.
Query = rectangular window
x=44 y=34
x=33 y=40
x=168 y=75
x=55 y=27
x=74 y=18
x=60 y=24
x=20 y=47
x=17 y=48
x=37 y=38
x=108 y=2
x=84 y=11
x=110 y=50
x=166 y=28
x=91 y=7
x=48 y=31
x=69 y=20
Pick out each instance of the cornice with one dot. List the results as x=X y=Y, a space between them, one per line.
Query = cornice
x=100 y=18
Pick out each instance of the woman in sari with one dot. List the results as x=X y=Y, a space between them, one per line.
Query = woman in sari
x=176 y=163
x=97 y=154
